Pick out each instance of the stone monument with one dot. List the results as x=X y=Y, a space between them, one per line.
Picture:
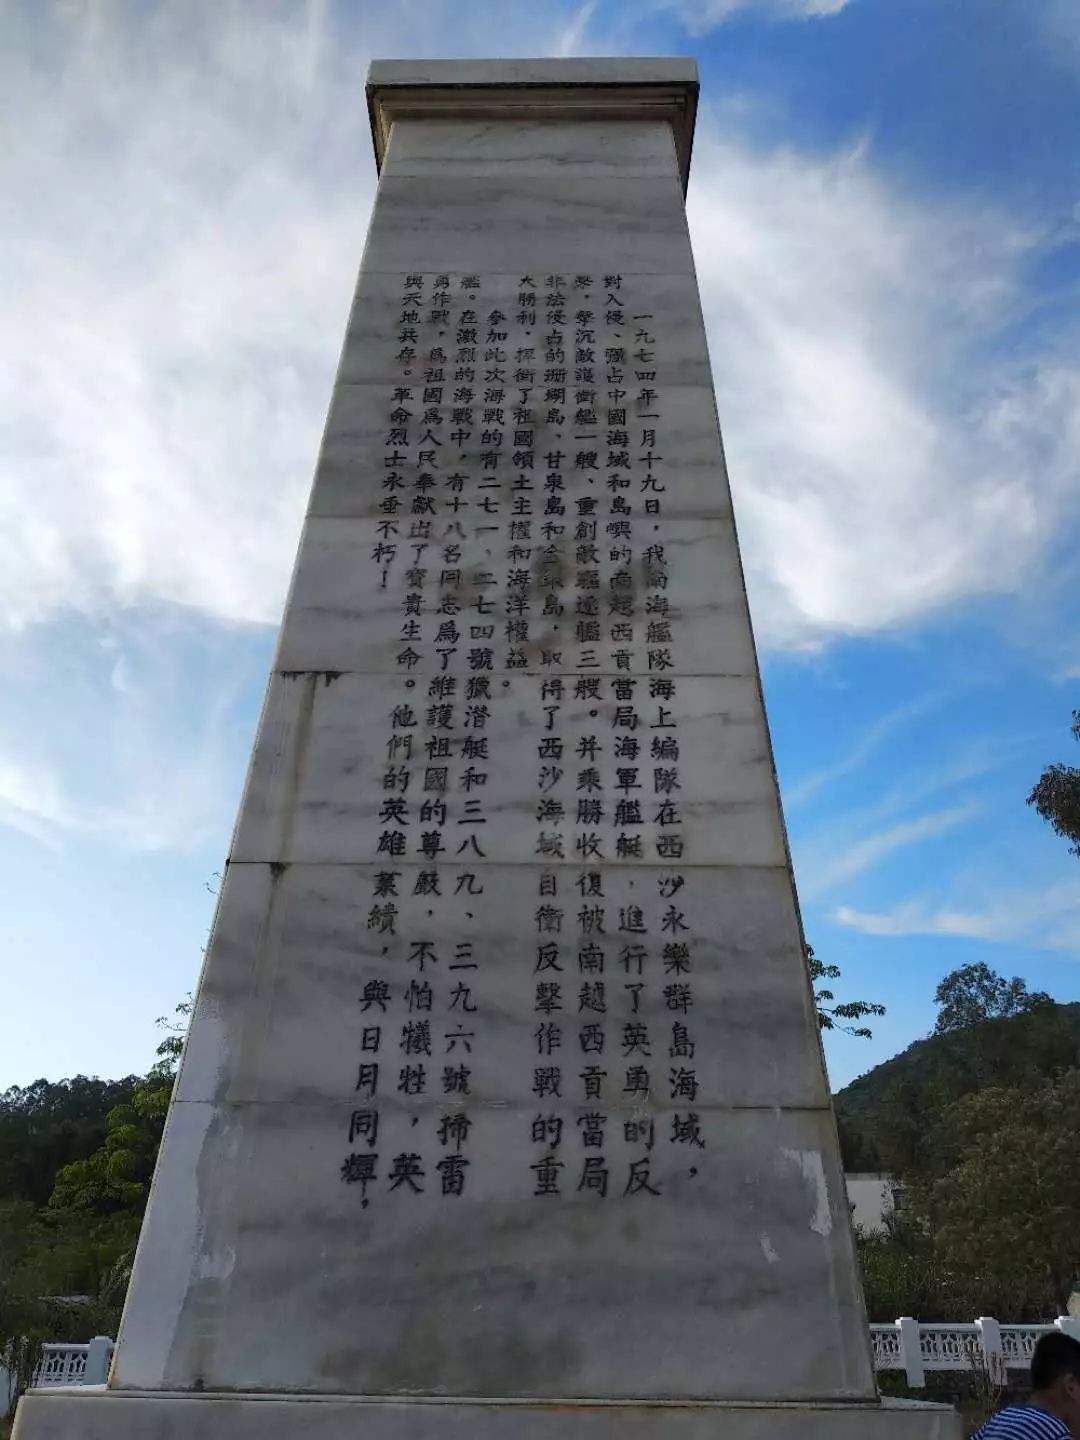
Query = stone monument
x=503 y=1111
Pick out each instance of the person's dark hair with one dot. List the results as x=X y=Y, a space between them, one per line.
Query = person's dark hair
x=1055 y=1354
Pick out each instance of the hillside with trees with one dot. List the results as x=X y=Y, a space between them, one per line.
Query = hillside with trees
x=979 y=1123
x=886 y=1115
x=76 y=1159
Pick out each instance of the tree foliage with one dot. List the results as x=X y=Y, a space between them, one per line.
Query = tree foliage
x=1056 y=796
x=76 y=1157
x=901 y=1275
x=887 y=1116
x=49 y=1124
x=1003 y=1198
x=974 y=994
x=62 y=1276
x=979 y=1122
x=115 y=1178
x=833 y=1016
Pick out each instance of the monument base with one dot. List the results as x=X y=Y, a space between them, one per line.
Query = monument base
x=91 y=1413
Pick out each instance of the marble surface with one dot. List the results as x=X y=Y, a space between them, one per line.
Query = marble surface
x=58 y=1416
x=446 y=760
x=315 y=791
x=615 y=148
x=664 y=92
x=283 y=934
x=563 y=223
x=369 y=351
x=268 y=1098
x=340 y=619
x=350 y=469
x=426 y=1293
x=578 y=70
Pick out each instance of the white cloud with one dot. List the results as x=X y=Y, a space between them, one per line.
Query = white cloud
x=181 y=268
x=913 y=920
x=570 y=40
x=886 y=460
x=872 y=738
x=821 y=872
x=701 y=16
x=130 y=737
x=189 y=208
x=888 y=810
x=31 y=802
x=1046 y=916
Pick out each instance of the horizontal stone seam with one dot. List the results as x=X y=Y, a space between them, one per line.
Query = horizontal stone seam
x=689 y=517
x=293 y=671
x=479 y=270
x=673 y=385
x=512 y=274
x=626 y=867
x=666 y=180
x=385 y=383
x=306 y=1397
x=332 y=1103
x=398 y=172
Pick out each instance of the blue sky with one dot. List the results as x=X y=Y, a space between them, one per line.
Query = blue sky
x=885 y=207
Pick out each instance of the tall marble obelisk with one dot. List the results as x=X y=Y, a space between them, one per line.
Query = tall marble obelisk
x=503 y=1111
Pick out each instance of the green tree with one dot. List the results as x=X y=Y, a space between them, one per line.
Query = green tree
x=974 y=994
x=115 y=1178
x=48 y=1124
x=833 y=1016
x=888 y=1117
x=21 y=1317
x=46 y=1293
x=904 y=1123
x=1056 y=796
x=1002 y=1206
x=88 y=1148
x=900 y=1272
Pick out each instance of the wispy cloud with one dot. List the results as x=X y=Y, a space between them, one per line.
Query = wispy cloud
x=918 y=784
x=127 y=734
x=31 y=802
x=892 y=812
x=1046 y=917
x=701 y=16
x=570 y=40
x=872 y=738
x=822 y=872
x=914 y=920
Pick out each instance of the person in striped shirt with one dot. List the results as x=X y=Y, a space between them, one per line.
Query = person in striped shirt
x=1053 y=1411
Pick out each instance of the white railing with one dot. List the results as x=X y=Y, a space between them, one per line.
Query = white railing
x=917 y=1348
x=74 y=1364
x=905 y=1345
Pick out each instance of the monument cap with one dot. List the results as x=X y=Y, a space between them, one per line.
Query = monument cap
x=623 y=88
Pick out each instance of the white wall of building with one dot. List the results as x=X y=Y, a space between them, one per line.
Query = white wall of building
x=872 y=1199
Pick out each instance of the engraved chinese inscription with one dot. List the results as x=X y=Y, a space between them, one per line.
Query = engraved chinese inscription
x=520 y=541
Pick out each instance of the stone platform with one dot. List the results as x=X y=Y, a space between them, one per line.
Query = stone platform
x=95 y=1414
